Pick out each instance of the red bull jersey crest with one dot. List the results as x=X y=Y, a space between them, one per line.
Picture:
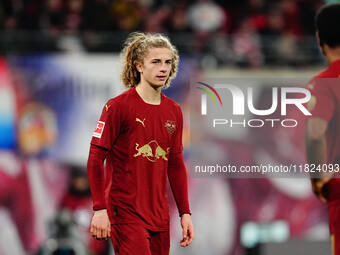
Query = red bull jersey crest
x=170 y=126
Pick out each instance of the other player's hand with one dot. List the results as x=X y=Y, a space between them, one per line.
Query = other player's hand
x=187 y=230
x=100 y=225
x=317 y=185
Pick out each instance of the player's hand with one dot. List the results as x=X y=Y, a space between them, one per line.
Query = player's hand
x=317 y=185
x=187 y=230
x=100 y=225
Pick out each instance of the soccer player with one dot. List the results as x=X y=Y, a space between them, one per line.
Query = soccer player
x=322 y=131
x=140 y=136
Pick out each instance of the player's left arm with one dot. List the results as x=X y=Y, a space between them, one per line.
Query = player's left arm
x=179 y=183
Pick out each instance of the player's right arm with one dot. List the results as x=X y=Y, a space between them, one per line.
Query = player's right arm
x=103 y=138
x=100 y=224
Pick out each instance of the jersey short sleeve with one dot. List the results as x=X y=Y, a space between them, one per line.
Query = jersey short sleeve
x=322 y=103
x=108 y=126
x=177 y=146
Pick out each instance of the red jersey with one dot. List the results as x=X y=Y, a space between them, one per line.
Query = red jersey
x=325 y=104
x=140 y=138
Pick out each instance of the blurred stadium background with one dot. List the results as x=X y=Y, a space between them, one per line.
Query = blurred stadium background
x=60 y=63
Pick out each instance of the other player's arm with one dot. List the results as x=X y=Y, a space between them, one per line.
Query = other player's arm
x=322 y=107
x=316 y=148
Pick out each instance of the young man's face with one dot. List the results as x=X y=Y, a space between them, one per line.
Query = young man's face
x=156 y=67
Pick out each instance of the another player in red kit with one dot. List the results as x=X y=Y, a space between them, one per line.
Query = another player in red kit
x=323 y=128
x=140 y=136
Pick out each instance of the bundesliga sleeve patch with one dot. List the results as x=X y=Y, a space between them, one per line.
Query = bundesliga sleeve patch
x=99 y=129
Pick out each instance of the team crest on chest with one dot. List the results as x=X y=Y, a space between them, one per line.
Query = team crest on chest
x=170 y=126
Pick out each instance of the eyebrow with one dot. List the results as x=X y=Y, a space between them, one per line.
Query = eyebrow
x=169 y=59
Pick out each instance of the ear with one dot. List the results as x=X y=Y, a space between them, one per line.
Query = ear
x=321 y=45
x=139 y=67
x=317 y=37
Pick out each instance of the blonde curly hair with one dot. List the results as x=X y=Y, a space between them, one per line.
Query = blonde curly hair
x=135 y=49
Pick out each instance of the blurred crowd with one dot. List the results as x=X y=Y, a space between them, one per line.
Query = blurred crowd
x=247 y=33
x=262 y=16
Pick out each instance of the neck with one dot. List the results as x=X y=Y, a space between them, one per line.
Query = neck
x=149 y=94
x=332 y=54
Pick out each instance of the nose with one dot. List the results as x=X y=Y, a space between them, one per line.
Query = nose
x=164 y=67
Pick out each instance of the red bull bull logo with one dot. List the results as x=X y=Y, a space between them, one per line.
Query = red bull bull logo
x=152 y=151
